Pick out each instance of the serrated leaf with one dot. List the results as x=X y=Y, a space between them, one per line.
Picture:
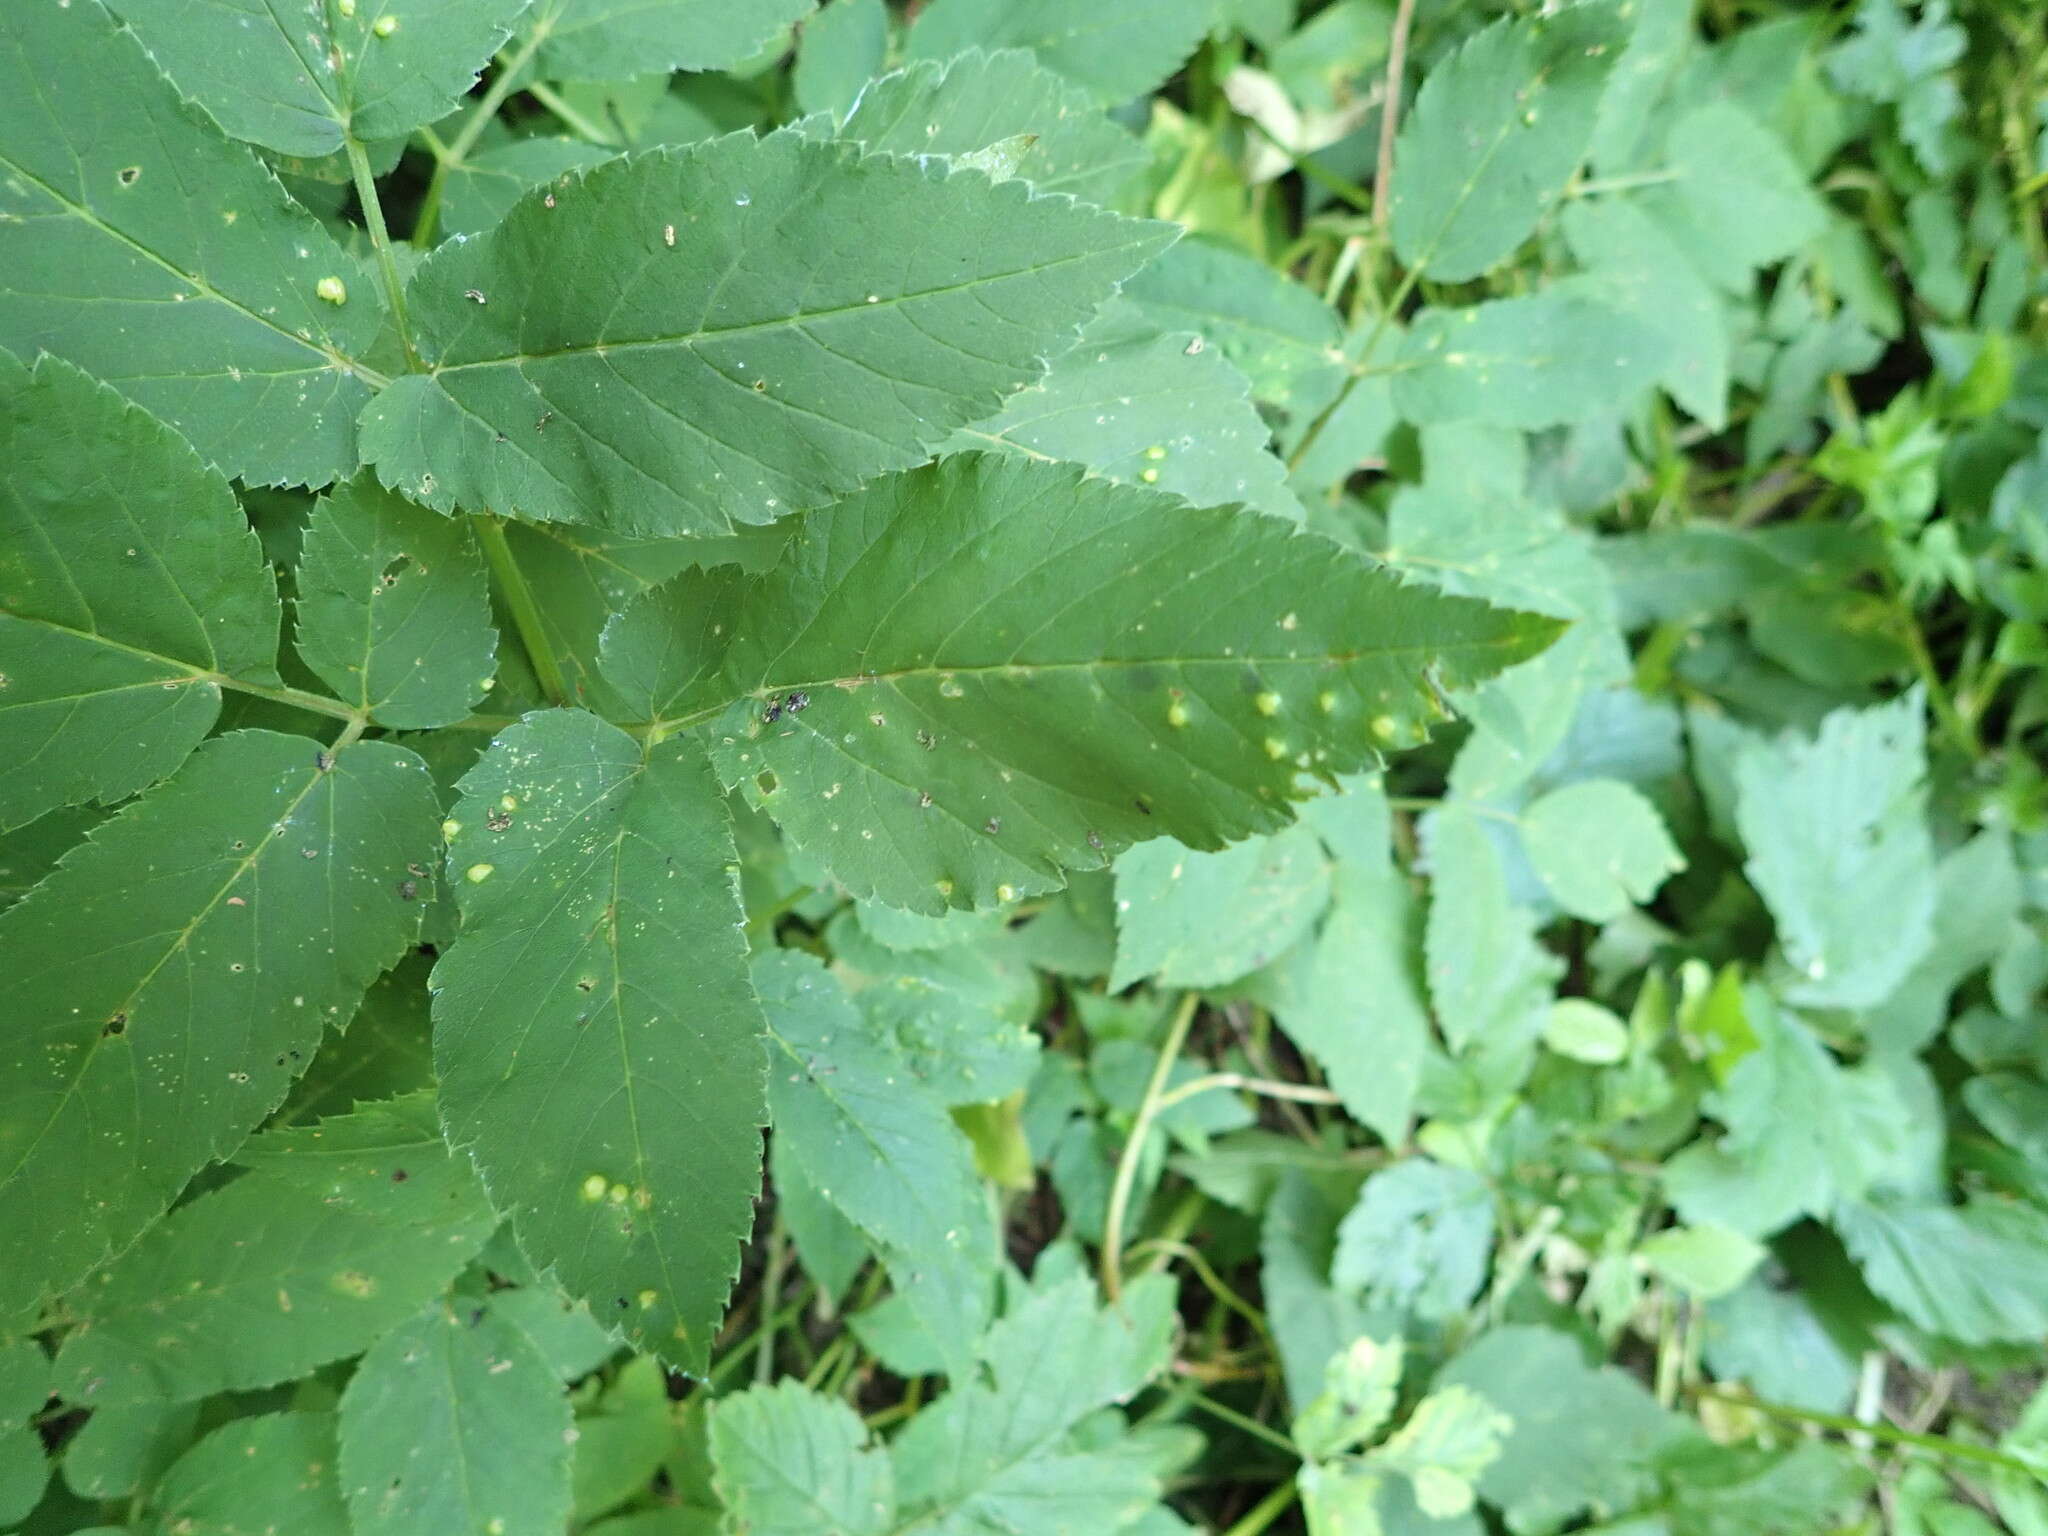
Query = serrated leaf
x=977 y=99
x=1840 y=851
x=300 y=78
x=599 y=360
x=1489 y=979
x=1599 y=846
x=851 y=1123
x=1119 y=666
x=160 y=990
x=601 y=956
x=1418 y=1241
x=1969 y=1272
x=328 y=1253
x=1555 y=357
x=1496 y=131
x=1116 y=51
x=612 y=39
x=842 y=48
x=454 y=1422
x=992 y=1454
x=1194 y=919
x=130 y=583
x=1145 y=407
x=1738 y=200
x=1359 y=1387
x=274 y=1472
x=394 y=608
x=481 y=190
x=201 y=309
x=792 y=1463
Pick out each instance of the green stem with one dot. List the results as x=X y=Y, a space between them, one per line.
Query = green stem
x=1933 y=1445
x=1299 y=1093
x=771 y=1288
x=525 y=610
x=1245 y=1422
x=1267 y=1510
x=297 y=698
x=380 y=240
x=1127 y=1164
x=502 y=85
x=1358 y=368
x=575 y=121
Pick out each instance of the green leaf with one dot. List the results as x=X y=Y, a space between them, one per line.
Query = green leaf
x=993 y=1453
x=792 y=1463
x=852 y=1123
x=1193 y=919
x=842 y=49
x=24 y=1381
x=1490 y=980
x=611 y=39
x=129 y=584
x=120 y=1451
x=170 y=950
x=1145 y=407
x=1555 y=357
x=29 y=853
x=24 y=1473
x=202 y=309
x=595 y=359
x=1738 y=200
x=336 y=1236
x=1840 y=852
x=978 y=99
x=597 y=1041
x=299 y=79
x=1599 y=846
x=1451 y=1438
x=1642 y=269
x=455 y=1422
x=1496 y=131
x=1705 y=1261
x=1278 y=334
x=274 y=1472
x=1970 y=1272
x=481 y=190
x=1359 y=1388
x=1580 y=1436
x=1582 y=1030
x=1117 y=51
x=1007 y=719
x=394 y=608
x=1418 y=1240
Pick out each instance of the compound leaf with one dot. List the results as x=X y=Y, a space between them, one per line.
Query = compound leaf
x=205 y=310
x=1000 y=670
x=335 y=1236
x=129 y=583
x=1497 y=130
x=161 y=989
x=792 y=1463
x=299 y=78
x=456 y=1422
x=691 y=340
x=1117 y=51
x=596 y=1037
x=394 y=609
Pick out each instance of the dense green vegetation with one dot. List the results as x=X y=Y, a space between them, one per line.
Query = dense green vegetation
x=1335 y=709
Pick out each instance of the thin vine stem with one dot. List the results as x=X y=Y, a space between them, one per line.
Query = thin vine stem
x=1933 y=1445
x=1127 y=1164
x=503 y=83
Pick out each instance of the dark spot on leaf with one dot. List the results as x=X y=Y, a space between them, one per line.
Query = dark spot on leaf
x=797 y=702
x=408 y=890
x=498 y=820
x=116 y=1025
x=766 y=782
x=399 y=1175
x=323 y=760
x=129 y=175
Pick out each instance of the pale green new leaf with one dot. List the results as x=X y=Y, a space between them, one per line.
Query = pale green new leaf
x=1490 y=980
x=130 y=583
x=1599 y=846
x=791 y=1463
x=1839 y=849
x=254 y=1476
x=1418 y=1241
x=1194 y=919
x=1002 y=670
x=1496 y=131
x=690 y=340
x=1452 y=1437
x=612 y=39
x=308 y=1258
x=1145 y=407
x=454 y=1422
x=394 y=608
x=299 y=78
x=1971 y=1272
x=1117 y=51
x=1641 y=268
x=160 y=991
x=200 y=308
x=979 y=99
x=852 y=1121
x=1359 y=1388
x=1738 y=200
x=596 y=1036
x=1546 y=360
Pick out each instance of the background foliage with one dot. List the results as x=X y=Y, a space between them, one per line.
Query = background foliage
x=1336 y=709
